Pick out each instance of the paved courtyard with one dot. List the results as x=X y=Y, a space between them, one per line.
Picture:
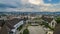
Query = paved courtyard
x=36 y=30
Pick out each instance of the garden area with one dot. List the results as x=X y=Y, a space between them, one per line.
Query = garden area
x=26 y=31
x=58 y=19
x=19 y=28
x=47 y=26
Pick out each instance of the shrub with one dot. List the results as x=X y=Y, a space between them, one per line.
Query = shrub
x=26 y=31
x=19 y=28
x=20 y=33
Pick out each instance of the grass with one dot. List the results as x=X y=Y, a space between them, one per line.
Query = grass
x=26 y=31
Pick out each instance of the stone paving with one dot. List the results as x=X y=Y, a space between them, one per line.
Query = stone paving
x=36 y=30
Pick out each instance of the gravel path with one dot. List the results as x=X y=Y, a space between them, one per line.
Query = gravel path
x=36 y=30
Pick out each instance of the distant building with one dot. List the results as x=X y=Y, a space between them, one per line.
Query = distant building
x=3 y=18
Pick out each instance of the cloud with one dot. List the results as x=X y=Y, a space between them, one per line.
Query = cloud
x=36 y=2
x=19 y=9
x=6 y=6
x=28 y=6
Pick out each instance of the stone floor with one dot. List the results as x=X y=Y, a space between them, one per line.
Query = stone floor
x=36 y=30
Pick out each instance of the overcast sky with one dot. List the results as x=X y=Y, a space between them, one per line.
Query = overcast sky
x=29 y=5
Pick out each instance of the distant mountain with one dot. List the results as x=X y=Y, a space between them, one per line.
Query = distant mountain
x=26 y=13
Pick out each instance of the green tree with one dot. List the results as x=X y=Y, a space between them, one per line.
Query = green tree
x=58 y=20
x=26 y=31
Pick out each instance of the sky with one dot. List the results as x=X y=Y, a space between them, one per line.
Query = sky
x=29 y=5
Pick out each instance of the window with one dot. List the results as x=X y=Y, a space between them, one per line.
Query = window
x=52 y=23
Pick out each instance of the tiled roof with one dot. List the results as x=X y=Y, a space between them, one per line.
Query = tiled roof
x=9 y=25
x=4 y=30
x=2 y=23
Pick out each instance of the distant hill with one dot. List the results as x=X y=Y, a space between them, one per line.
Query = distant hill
x=26 y=13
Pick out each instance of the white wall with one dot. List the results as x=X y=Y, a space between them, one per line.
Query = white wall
x=17 y=25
